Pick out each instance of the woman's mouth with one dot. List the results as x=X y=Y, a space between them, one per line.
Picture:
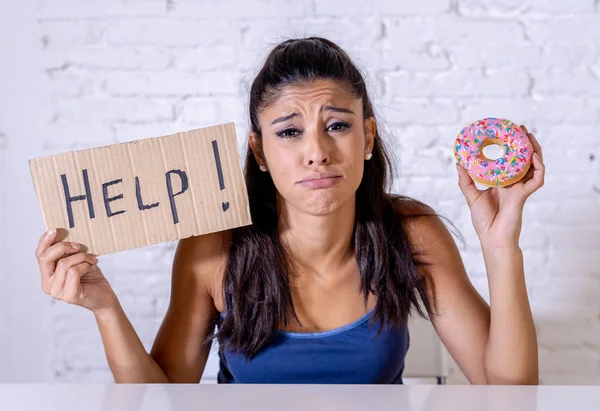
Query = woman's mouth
x=322 y=182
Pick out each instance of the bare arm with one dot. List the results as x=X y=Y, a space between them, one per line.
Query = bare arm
x=127 y=358
x=180 y=346
x=178 y=353
x=494 y=345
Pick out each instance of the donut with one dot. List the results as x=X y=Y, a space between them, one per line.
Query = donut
x=504 y=171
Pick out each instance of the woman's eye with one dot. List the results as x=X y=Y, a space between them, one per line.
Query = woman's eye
x=339 y=126
x=287 y=133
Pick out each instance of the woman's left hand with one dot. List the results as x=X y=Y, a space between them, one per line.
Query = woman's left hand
x=497 y=212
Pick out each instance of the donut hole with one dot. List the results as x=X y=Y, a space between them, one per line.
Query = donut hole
x=493 y=149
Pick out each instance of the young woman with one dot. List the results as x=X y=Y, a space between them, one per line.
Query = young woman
x=319 y=288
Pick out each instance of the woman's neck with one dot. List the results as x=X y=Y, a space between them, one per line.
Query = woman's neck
x=318 y=244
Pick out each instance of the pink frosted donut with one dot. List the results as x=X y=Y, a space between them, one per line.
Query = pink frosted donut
x=506 y=170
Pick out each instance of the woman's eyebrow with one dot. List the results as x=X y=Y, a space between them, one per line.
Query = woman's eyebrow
x=325 y=108
x=337 y=109
x=285 y=118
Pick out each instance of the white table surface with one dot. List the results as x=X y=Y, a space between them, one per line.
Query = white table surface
x=175 y=397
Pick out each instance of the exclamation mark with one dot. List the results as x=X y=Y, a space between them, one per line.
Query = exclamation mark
x=224 y=205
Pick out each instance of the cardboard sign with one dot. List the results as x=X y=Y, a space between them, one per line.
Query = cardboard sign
x=144 y=192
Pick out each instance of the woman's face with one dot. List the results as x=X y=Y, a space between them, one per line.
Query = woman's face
x=314 y=143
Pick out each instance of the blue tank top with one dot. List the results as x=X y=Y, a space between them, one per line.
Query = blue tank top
x=352 y=354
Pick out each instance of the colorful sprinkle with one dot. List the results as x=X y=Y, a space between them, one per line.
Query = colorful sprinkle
x=517 y=150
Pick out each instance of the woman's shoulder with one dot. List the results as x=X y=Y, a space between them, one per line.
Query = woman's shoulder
x=423 y=225
x=204 y=259
x=409 y=207
x=199 y=248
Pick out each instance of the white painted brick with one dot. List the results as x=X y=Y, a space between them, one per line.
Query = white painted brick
x=128 y=131
x=582 y=30
x=232 y=109
x=518 y=7
x=203 y=111
x=72 y=84
x=584 y=238
x=66 y=34
x=560 y=109
x=557 y=55
x=577 y=161
x=148 y=259
x=342 y=8
x=550 y=111
x=575 y=135
x=100 y=58
x=565 y=82
x=535 y=263
x=459 y=84
x=426 y=112
x=533 y=238
x=562 y=311
x=571 y=334
x=583 y=290
x=69 y=9
x=423 y=186
x=429 y=162
x=516 y=110
x=565 y=186
x=521 y=56
x=565 y=213
x=452 y=30
x=425 y=59
x=565 y=261
x=412 y=7
x=418 y=137
x=105 y=109
x=171 y=83
x=137 y=305
x=473 y=261
x=570 y=360
x=348 y=33
x=172 y=33
x=257 y=9
x=204 y=58
x=63 y=136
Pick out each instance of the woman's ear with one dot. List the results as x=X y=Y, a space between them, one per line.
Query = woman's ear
x=256 y=147
x=370 y=131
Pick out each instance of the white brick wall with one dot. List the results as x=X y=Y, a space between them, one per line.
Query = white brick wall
x=118 y=70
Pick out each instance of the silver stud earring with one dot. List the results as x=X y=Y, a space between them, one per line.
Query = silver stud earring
x=368 y=156
x=263 y=168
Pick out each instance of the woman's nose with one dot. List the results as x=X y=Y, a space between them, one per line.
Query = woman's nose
x=317 y=150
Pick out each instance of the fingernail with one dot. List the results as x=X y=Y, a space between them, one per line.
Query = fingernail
x=95 y=260
x=75 y=246
x=51 y=232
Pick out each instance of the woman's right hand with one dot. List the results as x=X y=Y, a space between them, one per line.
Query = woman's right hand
x=72 y=276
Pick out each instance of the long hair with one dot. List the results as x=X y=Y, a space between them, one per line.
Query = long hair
x=256 y=288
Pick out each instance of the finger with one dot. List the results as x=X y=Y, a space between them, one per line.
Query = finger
x=538 y=175
x=51 y=255
x=528 y=176
x=46 y=241
x=62 y=267
x=72 y=289
x=467 y=185
x=537 y=148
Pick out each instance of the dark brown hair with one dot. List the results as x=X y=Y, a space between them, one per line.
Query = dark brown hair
x=256 y=288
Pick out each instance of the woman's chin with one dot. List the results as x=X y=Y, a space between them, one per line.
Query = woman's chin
x=322 y=203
